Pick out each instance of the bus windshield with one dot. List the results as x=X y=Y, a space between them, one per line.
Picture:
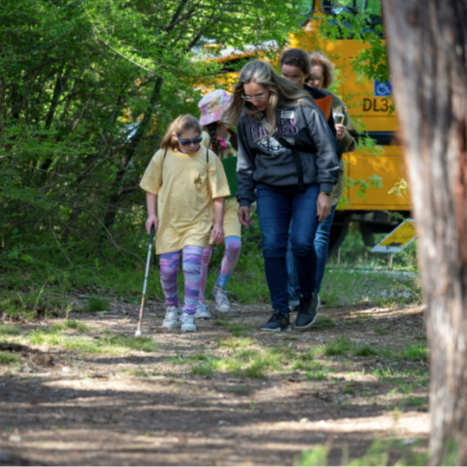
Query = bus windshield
x=370 y=7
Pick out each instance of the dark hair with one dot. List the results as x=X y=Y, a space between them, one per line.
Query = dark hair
x=298 y=58
x=213 y=135
x=212 y=131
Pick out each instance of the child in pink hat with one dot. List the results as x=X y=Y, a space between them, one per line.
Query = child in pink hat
x=223 y=142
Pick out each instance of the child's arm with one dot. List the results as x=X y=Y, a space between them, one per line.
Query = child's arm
x=218 y=230
x=151 y=201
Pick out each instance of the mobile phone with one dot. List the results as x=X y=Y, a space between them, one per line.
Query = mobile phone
x=338 y=118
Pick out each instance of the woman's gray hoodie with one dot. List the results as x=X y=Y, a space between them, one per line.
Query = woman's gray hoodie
x=263 y=159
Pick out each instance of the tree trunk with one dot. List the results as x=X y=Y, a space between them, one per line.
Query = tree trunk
x=427 y=46
x=112 y=208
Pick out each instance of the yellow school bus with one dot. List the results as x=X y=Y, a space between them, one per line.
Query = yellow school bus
x=368 y=102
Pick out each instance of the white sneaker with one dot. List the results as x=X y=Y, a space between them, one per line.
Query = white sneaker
x=172 y=315
x=220 y=296
x=202 y=311
x=188 y=323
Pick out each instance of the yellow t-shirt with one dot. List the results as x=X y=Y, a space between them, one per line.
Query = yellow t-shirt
x=185 y=185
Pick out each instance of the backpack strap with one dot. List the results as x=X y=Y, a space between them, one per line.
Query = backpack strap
x=162 y=165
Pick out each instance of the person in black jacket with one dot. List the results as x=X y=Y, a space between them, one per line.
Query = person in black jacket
x=286 y=153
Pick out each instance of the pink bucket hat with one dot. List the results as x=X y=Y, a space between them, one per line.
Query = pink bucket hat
x=213 y=106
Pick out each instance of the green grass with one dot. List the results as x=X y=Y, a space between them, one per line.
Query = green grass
x=71 y=324
x=236 y=342
x=339 y=347
x=380 y=330
x=237 y=330
x=378 y=455
x=414 y=352
x=246 y=362
x=7 y=330
x=316 y=376
x=238 y=389
x=95 y=304
x=365 y=351
x=107 y=344
x=325 y=322
x=28 y=304
x=7 y=358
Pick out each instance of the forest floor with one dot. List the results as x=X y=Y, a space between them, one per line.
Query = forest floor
x=84 y=391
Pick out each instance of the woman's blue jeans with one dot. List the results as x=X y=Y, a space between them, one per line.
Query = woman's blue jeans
x=322 y=237
x=278 y=207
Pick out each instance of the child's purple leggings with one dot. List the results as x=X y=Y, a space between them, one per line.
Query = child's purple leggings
x=169 y=263
x=233 y=246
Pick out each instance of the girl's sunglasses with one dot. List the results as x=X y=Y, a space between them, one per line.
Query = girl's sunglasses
x=187 y=142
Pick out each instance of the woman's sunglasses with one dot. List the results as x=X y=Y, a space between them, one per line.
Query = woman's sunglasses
x=187 y=142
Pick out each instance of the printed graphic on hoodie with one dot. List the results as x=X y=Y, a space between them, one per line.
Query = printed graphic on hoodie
x=285 y=126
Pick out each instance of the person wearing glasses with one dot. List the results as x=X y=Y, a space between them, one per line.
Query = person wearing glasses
x=182 y=179
x=286 y=152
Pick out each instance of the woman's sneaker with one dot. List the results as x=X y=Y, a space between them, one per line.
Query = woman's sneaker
x=277 y=323
x=220 y=296
x=171 y=320
x=188 y=323
x=202 y=311
x=306 y=315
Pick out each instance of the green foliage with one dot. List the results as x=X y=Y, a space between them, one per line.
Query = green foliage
x=378 y=454
x=30 y=303
x=7 y=358
x=71 y=324
x=95 y=304
x=88 y=89
x=7 y=330
x=338 y=347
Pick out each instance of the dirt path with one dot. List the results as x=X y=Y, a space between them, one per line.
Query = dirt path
x=228 y=394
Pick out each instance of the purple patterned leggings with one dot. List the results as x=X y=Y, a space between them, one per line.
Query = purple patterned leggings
x=233 y=246
x=169 y=263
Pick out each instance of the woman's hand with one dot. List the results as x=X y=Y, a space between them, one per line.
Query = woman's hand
x=323 y=206
x=244 y=216
x=218 y=233
x=340 y=131
x=152 y=220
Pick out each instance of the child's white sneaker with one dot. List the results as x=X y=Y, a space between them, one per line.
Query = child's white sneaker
x=220 y=296
x=202 y=311
x=172 y=315
x=188 y=323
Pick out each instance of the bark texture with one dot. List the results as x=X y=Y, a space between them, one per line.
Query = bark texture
x=427 y=43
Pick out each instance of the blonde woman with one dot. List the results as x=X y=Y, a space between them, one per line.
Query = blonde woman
x=286 y=154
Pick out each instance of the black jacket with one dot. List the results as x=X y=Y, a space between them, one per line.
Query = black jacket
x=263 y=159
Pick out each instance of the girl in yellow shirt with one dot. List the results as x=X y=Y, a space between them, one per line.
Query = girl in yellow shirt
x=182 y=179
x=223 y=142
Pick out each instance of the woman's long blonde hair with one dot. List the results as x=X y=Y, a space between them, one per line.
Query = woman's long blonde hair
x=178 y=126
x=282 y=91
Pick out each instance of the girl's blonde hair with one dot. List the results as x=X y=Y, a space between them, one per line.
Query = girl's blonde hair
x=178 y=126
x=282 y=91
x=319 y=58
